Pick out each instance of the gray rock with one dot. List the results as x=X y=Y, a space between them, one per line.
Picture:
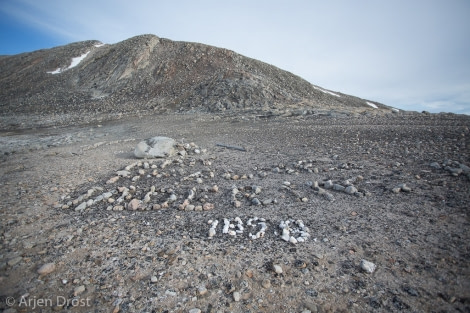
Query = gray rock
x=195 y=310
x=338 y=187
x=350 y=190
x=107 y=195
x=328 y=184
x=328 y=196
x=256 y=189
x=46 y=269
x=156 y=147
x=202 y=291
x=255 y=201
x=172 y=198
x=267 y=201
x=454 y=170
x=465 y=168
x=171 y=293
x=81 y=207
x=435 y=165
x=14 y=261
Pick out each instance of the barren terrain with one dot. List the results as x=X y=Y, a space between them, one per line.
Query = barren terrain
x=408 y=215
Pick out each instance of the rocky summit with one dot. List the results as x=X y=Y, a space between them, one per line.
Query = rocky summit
x=148 y=73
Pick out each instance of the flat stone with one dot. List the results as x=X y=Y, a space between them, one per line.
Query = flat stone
x=350 y=190
x=79 y=290
x=46 y=269
x=171 y=293
x=123 y=173
x=14 y=261
x=81 y=207
x=338 y=187
x=156 y=147
x=267 y=201
x=113 y=180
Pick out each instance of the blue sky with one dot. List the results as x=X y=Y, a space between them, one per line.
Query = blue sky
x=410 y=54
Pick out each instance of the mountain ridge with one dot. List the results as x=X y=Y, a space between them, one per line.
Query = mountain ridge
x=150 y=73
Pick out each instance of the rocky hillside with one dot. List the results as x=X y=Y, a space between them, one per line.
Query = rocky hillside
x=151 y=73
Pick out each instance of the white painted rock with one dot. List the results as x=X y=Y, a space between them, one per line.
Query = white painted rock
x=277 y=269
x=236 y=296
x=156 y=147
x=367 y=266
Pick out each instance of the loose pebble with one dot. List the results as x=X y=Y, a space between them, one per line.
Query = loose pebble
x=46 y=269
x=236 y=296
x=79 y=290
x=266 y=283
x=277 y=269
x=367 y=266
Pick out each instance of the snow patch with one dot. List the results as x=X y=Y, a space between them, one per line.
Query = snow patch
x=75 y=62
x=372 y=105
x=99 y=45
x=57 y=71
x=326 y=91
x=395 y=109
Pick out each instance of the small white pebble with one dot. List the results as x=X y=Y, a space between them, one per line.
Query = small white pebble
x=277 y=269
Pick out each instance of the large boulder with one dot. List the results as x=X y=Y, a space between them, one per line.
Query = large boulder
x=156 y=147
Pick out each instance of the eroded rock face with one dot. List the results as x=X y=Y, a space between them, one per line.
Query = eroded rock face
x=155 y=147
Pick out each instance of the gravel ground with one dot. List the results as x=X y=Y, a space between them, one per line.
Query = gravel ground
x=406 y=212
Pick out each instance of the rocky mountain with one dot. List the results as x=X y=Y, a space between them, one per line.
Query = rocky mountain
x=151 y=73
